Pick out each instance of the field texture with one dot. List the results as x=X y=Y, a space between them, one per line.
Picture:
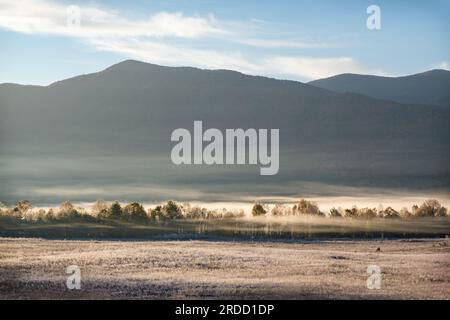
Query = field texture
x=35 y=268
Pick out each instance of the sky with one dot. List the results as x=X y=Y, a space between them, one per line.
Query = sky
x=42 y=41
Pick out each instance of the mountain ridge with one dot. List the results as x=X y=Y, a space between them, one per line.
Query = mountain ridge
x=328 y=83
x=429 y=87
x=125 y=116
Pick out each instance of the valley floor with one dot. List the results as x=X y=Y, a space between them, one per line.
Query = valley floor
x=410 y=269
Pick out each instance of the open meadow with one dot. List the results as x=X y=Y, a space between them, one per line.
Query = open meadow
x=170 y=253
x=36 y=268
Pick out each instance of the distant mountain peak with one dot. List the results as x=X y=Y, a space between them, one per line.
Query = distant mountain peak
x=432 y=72
x=131 y=64
x=429 y=87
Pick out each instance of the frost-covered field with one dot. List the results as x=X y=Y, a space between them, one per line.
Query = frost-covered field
x=34 y=268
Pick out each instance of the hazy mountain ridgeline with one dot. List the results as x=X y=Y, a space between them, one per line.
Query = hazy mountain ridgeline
x=107 y=135
x=431 y=87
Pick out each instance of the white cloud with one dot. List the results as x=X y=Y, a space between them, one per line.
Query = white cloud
x=299 y=68
x=36 y=16
x=173 y=39
x=444 y=65
x=314 y=68
x=281 y=43
x=166 y=54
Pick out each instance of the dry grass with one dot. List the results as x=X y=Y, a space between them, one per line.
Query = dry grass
x=34 y=268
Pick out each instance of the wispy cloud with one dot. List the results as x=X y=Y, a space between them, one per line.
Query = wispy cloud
x=52 y=18
x=314 y=68
x=282 y=43
x=167 y=54
x=172 y=38
x=444 y=65
x=305 y=68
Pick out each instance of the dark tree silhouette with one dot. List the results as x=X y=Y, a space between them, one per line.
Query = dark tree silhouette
x=258 y=210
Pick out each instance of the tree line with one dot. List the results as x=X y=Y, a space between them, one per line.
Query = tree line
x=134 y=211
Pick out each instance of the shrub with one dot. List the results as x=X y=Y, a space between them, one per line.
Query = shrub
x=213 y=214
x=307 y=207
x=351 y=213
x=258 y=210
x=281 y=210
x=234 y=214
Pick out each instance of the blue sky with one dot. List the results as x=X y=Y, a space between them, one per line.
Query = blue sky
x=42 y=41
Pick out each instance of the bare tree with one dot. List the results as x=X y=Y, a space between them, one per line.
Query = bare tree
x=405 y=213
x=430 y=208
x=67 y=210
x=335 y=213
x=100 y=208
x=389 y=212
